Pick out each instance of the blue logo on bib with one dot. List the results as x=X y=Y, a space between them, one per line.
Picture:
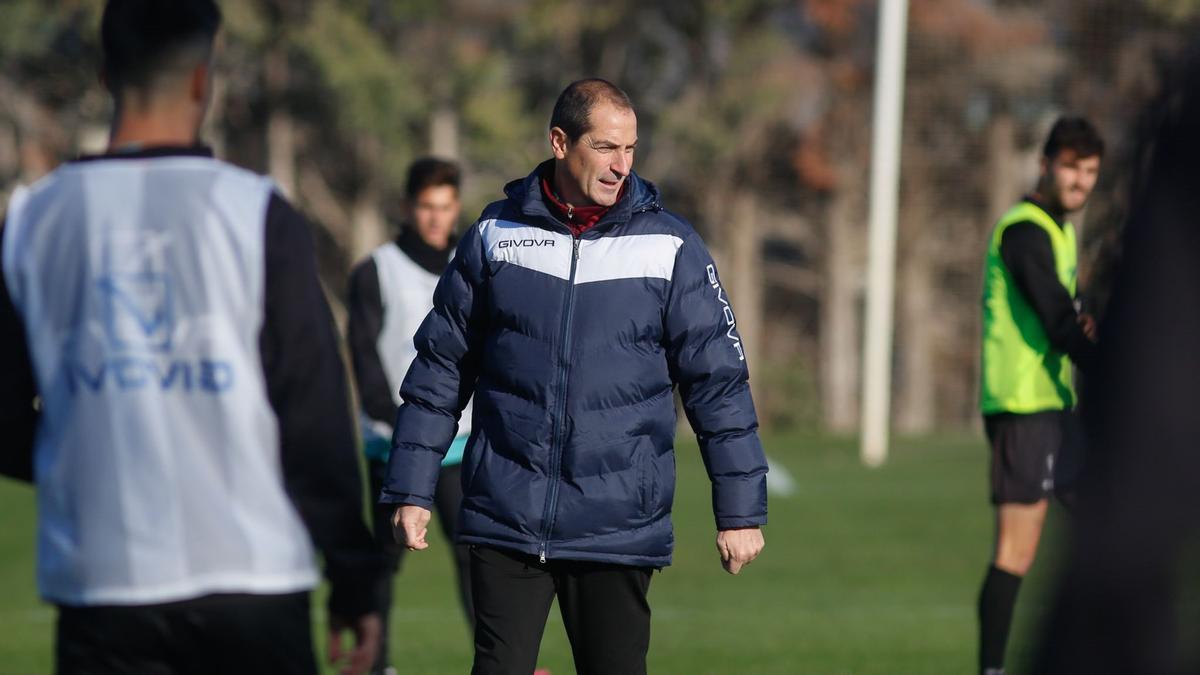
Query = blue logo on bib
x=136 y=293
x=137 y=296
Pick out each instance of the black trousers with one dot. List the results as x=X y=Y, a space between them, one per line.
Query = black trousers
x=603 y=607
x=447 y=501
x=227 y=634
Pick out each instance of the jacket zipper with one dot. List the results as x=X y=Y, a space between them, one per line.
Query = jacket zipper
x=556 y=448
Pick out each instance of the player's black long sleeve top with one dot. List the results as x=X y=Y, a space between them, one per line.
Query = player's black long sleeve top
x=1029 y=256
x=18 y=416
x=366 y=324
x=307 y=387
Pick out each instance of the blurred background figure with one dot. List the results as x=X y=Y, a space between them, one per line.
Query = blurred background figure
x=391 y=292
x=1128 y=597
x=1033 y=337
x=191 y=438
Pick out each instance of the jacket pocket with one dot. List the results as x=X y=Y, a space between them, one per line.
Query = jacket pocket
x=659 y=483
x=472 y=458
x=647 y=473
x=644 y=490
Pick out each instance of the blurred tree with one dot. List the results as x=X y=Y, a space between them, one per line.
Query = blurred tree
x=755 y=122
x=48 y=84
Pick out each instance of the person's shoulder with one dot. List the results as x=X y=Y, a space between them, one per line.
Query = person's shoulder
x=1024 y=239
x=678 y=223
x=42 y=187
x=39 y=195
x=364 y=275
x=365 y=266
x=285 y=228
x=232 y=174
x=649 y=213
x=503 y=210
x=1024 y=230
x=495 y=210
x=663 y=221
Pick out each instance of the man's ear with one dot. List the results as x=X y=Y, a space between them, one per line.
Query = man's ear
x=1043 y=166
x=559 y=142
x=201 y=83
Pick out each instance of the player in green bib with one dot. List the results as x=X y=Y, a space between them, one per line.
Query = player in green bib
x=1033 y=337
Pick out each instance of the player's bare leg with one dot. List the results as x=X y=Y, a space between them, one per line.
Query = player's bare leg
x=1018 y=530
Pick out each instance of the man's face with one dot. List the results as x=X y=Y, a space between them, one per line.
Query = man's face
x=1068 y=179
x=599 y=161
x=435 y=213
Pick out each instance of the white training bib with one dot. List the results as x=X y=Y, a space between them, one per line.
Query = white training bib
x=157 y=459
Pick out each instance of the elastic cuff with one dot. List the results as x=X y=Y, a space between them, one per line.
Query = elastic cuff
x=388 y=497
x=738 y=523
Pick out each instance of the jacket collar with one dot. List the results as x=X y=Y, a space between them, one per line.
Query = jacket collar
x=641 y=195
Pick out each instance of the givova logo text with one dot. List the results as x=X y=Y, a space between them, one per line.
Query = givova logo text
x=523 y=243
x=727 y=311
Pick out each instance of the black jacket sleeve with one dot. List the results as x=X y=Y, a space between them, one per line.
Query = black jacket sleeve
x=365 y=325
x=18 y=416
x=306 y=383
x=1029 y=257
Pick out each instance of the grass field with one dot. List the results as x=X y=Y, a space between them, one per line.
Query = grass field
x=865 y=571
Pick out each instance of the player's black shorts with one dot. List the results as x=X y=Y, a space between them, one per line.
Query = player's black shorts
x=223 y=634
x=1034 y=455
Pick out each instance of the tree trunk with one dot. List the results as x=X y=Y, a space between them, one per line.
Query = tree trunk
x=35 y=145
x=443 y=133
x=916 y=402
x=735 y=242
x=744 y=280
x=281 y=129
x=840 y=338
x=1004 y=166
x=213 y=131
x=370 y=227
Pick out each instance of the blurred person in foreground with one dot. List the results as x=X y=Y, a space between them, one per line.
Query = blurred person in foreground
x=1032 y=337
x=192 y=434
x=391 y=292
x=1129 y=596
x=571 y=311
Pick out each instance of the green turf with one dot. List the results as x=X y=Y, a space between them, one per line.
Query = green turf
x=865 y=571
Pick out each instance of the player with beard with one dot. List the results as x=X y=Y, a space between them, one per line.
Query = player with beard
x=1033 y=335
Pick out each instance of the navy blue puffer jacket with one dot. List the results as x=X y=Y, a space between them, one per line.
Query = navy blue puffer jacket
x=572 y=347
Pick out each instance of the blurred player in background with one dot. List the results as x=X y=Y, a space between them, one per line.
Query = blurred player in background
x=192 y=435
x=1032 y=336
x=391 y=292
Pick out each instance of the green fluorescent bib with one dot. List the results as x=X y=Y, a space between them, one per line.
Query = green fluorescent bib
x=1022 y=373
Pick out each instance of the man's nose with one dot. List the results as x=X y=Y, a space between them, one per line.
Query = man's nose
x=622 y=165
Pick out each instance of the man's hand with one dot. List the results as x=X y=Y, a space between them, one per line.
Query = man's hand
x=739 y=547
x=410 y=525
x=367 y=630
x=1088 y=323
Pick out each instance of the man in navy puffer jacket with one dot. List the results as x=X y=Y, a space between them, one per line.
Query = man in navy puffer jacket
x=571 y=311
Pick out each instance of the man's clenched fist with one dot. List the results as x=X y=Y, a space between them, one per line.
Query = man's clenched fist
x=409 y=526
x=739 y=547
